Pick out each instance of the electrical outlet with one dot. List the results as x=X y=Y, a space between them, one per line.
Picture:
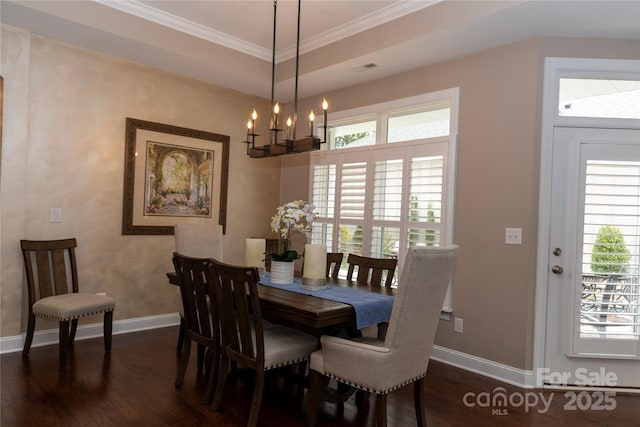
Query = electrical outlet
x=513 y=236
x=457 y=325
x=101 y=294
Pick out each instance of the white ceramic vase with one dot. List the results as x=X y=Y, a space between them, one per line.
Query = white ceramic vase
x=282 y=272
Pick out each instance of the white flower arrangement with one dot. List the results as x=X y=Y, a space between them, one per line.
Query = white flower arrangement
x=293 y=217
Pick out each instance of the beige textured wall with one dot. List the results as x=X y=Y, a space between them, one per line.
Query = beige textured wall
x=63 y=146
x=498 y=174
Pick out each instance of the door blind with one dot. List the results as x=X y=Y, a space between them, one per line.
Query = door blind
x=610 y=291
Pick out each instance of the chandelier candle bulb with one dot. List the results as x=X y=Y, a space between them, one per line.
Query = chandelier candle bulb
x=254 y=253
x=325 y=107
x=288 y=134
x=276 y=110
x=315 y=267
x=312 y=117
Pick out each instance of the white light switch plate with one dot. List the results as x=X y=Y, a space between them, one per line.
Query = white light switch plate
x=458 y=325
x=55 y=214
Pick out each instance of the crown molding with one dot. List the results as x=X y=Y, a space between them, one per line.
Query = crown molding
x=332 y=35
x=381 y=16
x=150 y=13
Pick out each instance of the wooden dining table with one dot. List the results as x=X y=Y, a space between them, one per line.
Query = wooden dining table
x=308 y=312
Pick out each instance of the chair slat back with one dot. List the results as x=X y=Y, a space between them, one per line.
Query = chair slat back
x=59 y=271
x=240 y=315
x=334 y=262
x=372 y=270
x=50 y=266
x=197 y=296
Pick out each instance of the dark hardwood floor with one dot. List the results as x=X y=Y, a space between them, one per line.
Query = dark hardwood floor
x=133 y=386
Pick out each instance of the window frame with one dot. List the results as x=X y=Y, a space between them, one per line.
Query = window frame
x=447 y=146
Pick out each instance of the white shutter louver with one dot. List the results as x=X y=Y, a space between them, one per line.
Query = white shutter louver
x=352 y=190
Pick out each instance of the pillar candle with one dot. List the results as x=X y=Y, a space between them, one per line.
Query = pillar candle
x=254 y=252
x=315 y=261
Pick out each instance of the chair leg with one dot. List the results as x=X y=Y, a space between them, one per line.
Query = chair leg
x=29 y=337
x=362 y=397
x=313 y=398
x=302 y=373
x=257 y=399
x=381 y=410
x=64 y=342
x=223 y=369
x=201 y=351
x=72 y=333
x=184 y=361
x=419 y=402
x=183 y=326
x=107 y=332
x=213 y=372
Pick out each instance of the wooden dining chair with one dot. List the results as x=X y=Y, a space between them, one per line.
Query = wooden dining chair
x=201 y=320
x=334 y=262
x=197 y=241
x=246 y=340
x=404 y=354
x=372 y=270
x=53 y=292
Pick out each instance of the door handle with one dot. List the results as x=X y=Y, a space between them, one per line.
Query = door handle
x=556 y=269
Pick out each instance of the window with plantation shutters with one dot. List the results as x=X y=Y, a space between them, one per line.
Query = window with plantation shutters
x=379 y=199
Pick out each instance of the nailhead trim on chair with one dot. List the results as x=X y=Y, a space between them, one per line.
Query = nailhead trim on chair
x=72 y=306
x=77 y=316
x=371 y=390
x=291 y=362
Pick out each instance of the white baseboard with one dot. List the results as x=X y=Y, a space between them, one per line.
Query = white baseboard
x=50 y=336
x=488 y=368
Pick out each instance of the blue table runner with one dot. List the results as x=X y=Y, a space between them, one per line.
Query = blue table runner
x=371 y=308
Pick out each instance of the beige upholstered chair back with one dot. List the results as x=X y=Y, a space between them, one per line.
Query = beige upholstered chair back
x=422 y=286
x=199 y=240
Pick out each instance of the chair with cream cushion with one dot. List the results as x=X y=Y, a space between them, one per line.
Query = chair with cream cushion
x=201 y=321
x=196 y=241
x=53 y=291
x=402 y=358
x=246 y=340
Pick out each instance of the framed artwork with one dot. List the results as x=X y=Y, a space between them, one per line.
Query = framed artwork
x=173 y=175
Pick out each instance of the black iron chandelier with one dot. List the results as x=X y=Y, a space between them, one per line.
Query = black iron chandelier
x=283 y=140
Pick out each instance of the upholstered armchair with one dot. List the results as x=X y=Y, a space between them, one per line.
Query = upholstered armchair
x=402 y=358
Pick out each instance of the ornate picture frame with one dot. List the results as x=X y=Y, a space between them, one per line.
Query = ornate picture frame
x=172 y=175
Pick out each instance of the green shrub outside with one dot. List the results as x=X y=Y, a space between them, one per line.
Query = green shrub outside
x=610 y=254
